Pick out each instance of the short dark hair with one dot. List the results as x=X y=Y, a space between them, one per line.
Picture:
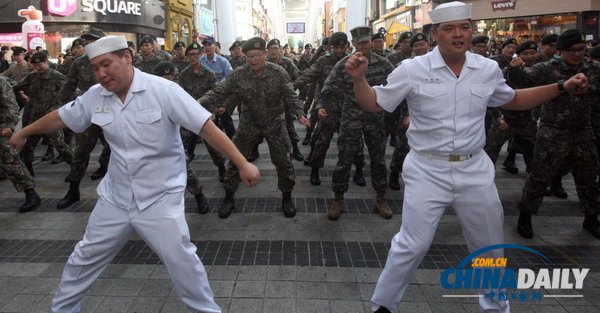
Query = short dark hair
x=121 y=53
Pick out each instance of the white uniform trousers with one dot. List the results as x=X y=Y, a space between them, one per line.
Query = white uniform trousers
x=430 y=187
x=162 y=226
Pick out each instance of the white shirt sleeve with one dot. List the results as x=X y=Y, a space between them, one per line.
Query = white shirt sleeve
x=503 y=93
x=396 y=90
x=185 y=111
x=75 y=115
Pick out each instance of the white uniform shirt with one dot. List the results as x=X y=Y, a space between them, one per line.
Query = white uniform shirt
x=147 y=157
x=446 y=113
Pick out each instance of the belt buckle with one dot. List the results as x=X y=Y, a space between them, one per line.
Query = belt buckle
x=454 y=158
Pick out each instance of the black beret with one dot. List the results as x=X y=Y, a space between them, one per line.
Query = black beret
x=18 y=50
x=286 y=46
x=595 y=52
x=179 y=44
x=508 y=42
x=527 y=45
x=93 y=34
x=404 y=36
x=164 y=68
x=361 y=34
x=307 y=46
x=418 y=37
x=378 y=36
x=550 y=38
x=146 y=39
x=568 y=38
x=338 y=39
x=325 y=41
x=193 y=46
x=130 y=44
x=480 y=39
x=39 y=57
x=255 y=43
x=274 y=42
x=235 y=44
x=77 y=42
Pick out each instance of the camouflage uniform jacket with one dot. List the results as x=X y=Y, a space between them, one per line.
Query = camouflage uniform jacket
x=235 y=62
x=501 y=60
x=64 y=68
x=263 y=99
x=564 y=112
x=164 y=55
x=148 y=65
x=304 y=62
x=180 y=64
x=17 y=72
x=9 y=111
x=317 y=74
x=80 y=76
x=385 y=53
x=289 y=67
x=42 y=89
x=338 y=81
x=197 y=84
x=397 y=58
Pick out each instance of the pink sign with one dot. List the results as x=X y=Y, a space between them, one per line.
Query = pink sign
x=11 y=37
x=62 y=7
x=35 y=40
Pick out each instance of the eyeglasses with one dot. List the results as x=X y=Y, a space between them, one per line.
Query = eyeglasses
x=576 y=51
x=254 y=57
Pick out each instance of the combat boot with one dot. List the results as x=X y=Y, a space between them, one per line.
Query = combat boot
x=287 y=205
x=71 y=197
x=228 y=205
x=358 y=177
x=394 y=182
x=524 y=227
x=99 y=173
x=393 y=140
x=253 y=155
x=382 y=310
x=381 y=206
x=58 y=159
x=306 y=140
x=557 y=190
x=314 y=177
x=509 y=164
x=591 y=224
x=49 y=156
x=296 y=152
x=308 y=159
x=222 y=173
x=32 y=201
x=201 y=203
x=29 y=167
x=335 y=210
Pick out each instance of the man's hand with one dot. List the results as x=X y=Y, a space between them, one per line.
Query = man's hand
x=17 y=141
x=6 y=132
x=321 y=113
x=517 y=62
x=502 y=124
x=249 y=174
x=304 y=121
x=221 y=110
x=356 y=65
x=406 y=122
x=576 y=85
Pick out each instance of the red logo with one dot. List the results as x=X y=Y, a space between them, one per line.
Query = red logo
x=62 y=7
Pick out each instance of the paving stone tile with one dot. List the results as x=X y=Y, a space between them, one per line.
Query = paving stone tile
x=114 y=304
x=281 y=273
x=247 y=305
x=311 y=290
x=346 y=306
x=21 y=303
x=156 y=287
x=312 y=305
x=343 y=291
x=222 y=288
x=147 y=305
x=41 y=286
x=249 y=289
x=125 y=287
x=280 y=289
x=280 y=305
x=252 y=273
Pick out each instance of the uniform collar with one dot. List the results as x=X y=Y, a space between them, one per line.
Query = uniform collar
x=437 y=61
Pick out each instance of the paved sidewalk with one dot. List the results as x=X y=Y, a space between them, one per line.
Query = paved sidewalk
x=259 y=261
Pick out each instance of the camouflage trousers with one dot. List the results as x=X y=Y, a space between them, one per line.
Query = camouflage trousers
x=85 y=143
x=523 y=139
x=322 y=139
x=217 y=158
x=391 y=122
x=552 y=149
x=193 y=183
x=14 y=169
x=400 y=151
x=351 y=129
x=250 y=135
x=55 y=139
x=291 y=130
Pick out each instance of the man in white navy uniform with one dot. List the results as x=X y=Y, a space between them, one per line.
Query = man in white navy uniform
x=143 y=189
x=447 y=90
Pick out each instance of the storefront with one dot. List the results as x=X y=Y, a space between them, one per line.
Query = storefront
x=64 y=20
x=179 y=22
x=395 y=22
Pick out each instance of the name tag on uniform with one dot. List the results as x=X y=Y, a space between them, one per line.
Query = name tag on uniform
x=102 y=110
x=431 y=80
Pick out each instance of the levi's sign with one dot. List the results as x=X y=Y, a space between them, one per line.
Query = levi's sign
x=503 y=5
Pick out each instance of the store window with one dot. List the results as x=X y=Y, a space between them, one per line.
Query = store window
x=185 y=31
x=526 y=28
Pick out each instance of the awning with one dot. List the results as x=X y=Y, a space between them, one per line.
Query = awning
x=395 y=28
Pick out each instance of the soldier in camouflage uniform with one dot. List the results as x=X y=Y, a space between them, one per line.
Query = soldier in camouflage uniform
x=10 y=163
x=266 y=93
x=180 y=60
x=405 y=51
x=307 y=93
x=275 y=56
x=148 y=59
x=76 y=51
x=330 y=112
x=167 y=70
x=196 y=80
x=547 y=48
x=565 y=133
x=237 y=57
x=135 y=56
x=379 y=45
x=40 y=89
x=356 y=123
x=79 y=79
x=21 y=67
x=156 y=49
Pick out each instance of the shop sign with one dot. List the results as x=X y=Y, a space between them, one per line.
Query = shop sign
x=501 y=5
x=104 y=7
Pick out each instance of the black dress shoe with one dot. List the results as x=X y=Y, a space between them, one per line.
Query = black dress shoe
x=382 y=310
x=99 y=173
x=314 y=177
x=591 y=224
x=287 y=205
x=58 y=159
x=70 y=198
x=559 y=192
x=296 y=153
x=510 y=167
x=227 y=207
x=49 y=154
x=524 y=227
x=202 y=204
x=32 y=201
x=306 y=141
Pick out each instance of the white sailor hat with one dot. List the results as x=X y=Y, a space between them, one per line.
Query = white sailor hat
x=104 y=45
x=451 y=11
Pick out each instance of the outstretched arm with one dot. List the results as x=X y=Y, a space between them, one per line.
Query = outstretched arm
x=49 y=123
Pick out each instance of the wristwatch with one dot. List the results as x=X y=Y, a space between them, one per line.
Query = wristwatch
x=561 y=87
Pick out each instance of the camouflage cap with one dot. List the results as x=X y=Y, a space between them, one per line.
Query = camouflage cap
x=130 y=44
x=18 y=50
x=284 y=46
x=480 y=39
x=527 y=45
x=307 y=46
x=338 y=39
x=193 y=46
x=274 y=42
x=378 y=36
x=78 y=42
x=235 y=44
x=568 y=38
x=39 y=57
x=255 y=43
x=146 y=39
x=404 y=36
x=361 y=34
x=93 y=34
x=179 y=44
x=418 y=37
x=325 y=41
x=164 y=68
x=550 y=38
x=510 y=41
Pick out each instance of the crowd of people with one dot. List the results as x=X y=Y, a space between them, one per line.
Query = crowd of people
x=446 y=106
